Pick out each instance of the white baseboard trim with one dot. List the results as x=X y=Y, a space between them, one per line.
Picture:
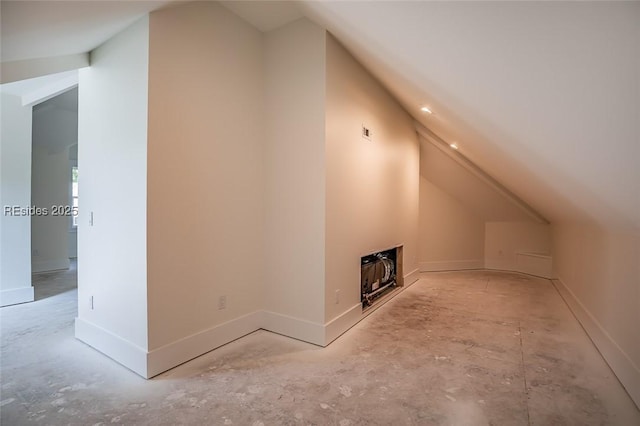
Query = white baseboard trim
x=38 y=266
x=343 y=322
x=178 y=352
x=499 y=265
x=537 y=264
x=523 y=269
x=624 y=368
x=451 y=265
x=115 y=347
x=14 y=296
x=150 y=364
x=297 y=328
x=411 y=277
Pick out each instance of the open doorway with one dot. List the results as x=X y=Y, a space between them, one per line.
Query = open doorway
x=54 y=175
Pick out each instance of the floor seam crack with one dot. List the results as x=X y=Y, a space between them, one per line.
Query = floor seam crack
x=524 y=373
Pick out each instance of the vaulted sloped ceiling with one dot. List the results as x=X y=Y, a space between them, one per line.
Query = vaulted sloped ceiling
x=479 y=197
x=46 y=37
x=43 y=29
x=544 y=96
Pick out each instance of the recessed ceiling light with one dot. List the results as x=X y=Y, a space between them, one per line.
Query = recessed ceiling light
x=425 y=109
x=454 y=146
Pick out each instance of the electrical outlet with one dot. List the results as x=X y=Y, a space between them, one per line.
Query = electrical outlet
x=91 y=302
x=337 y=297
x=222 y=302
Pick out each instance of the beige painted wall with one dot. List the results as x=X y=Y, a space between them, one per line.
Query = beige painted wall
x=294 y=183
x=205 y=166
x=112 y=149
x=451 y=235
x=601 y=269
x=504 y=239
x=372 y=185
x=475 y=194
x=467 y=220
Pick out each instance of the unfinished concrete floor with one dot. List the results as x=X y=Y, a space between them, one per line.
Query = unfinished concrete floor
x=459 y=348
